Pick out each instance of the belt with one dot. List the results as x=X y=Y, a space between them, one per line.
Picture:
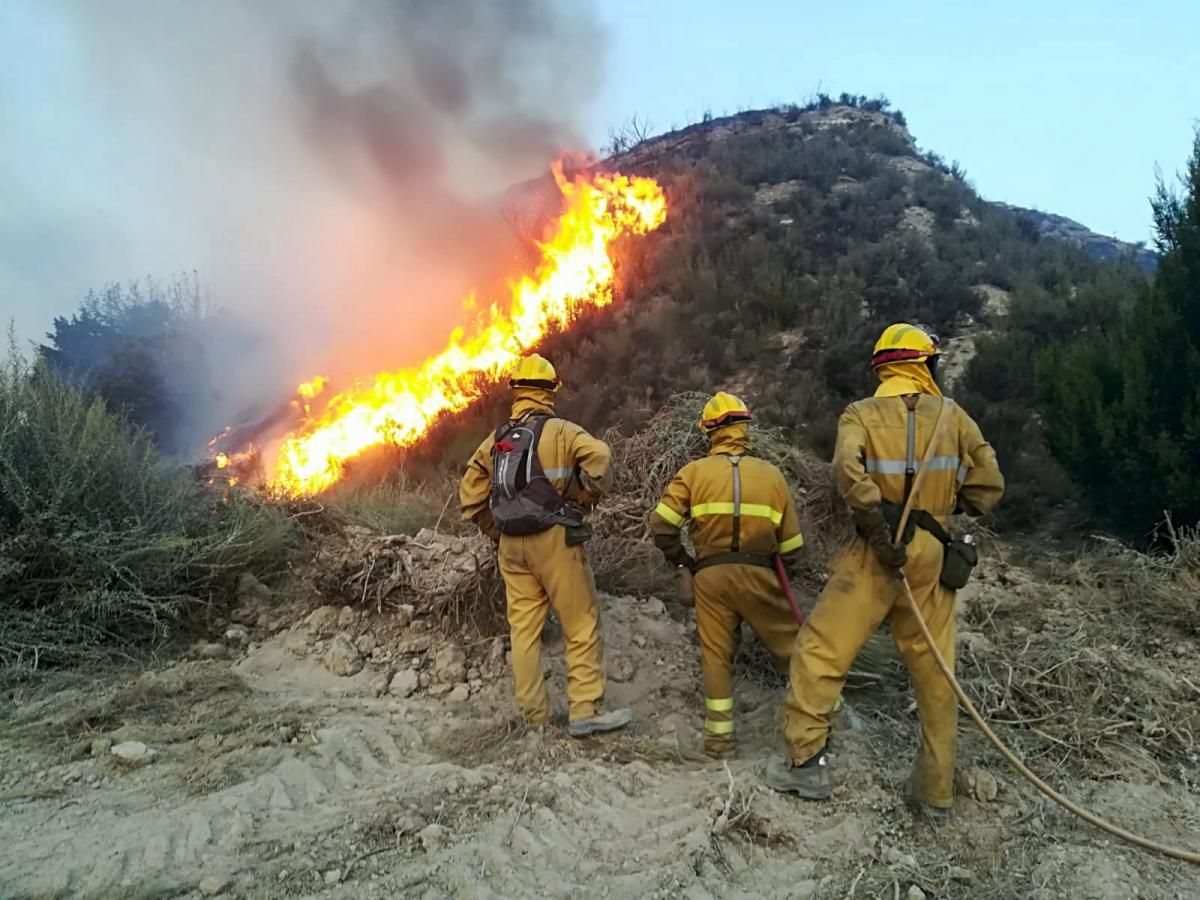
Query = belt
x=735 y=559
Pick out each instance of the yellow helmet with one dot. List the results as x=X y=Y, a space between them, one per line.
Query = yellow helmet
x=534 y=371
x=723 y=409
x=904 y=343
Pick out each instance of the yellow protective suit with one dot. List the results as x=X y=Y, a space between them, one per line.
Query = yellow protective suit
x=701 y=495
x=869 y=466
x=540 y=571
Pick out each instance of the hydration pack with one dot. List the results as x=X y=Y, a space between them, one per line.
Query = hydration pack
x=523 y=501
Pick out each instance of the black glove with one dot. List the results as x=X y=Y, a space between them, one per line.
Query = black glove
x=872 y=526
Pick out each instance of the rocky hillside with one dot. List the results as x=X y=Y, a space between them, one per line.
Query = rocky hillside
x=1103 y=247
x=794 y=235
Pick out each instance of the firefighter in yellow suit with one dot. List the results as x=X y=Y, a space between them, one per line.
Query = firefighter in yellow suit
x=541 y=571
x=739 y=513
x=873 y=465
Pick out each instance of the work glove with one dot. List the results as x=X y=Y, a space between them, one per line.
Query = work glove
x=872 y=526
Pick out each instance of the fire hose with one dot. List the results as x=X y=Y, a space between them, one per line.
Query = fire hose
x=1010 y=757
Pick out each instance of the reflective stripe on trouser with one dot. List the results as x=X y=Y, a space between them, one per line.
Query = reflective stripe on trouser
x=541 y=572
x=726 y=595
x=860 y=595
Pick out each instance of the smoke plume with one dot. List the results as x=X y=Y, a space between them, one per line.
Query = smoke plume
x=331 y=168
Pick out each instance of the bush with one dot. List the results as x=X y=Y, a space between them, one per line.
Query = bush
x=102 y=543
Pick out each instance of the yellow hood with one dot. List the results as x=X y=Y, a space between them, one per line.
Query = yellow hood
x=900 y=378
x=732 y=440
x=528 y=400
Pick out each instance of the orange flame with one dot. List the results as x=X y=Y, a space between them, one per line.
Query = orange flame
x=576 y=273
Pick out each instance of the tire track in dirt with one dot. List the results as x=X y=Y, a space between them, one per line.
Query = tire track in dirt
x=89 y=845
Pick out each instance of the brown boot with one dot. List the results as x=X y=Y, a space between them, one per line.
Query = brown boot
x=809 y=780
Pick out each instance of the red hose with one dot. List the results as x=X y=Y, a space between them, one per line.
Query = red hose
x=781 y=574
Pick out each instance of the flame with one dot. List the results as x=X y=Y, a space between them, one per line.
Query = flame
x=310 y=389
x=222 y=460
x=576 y=273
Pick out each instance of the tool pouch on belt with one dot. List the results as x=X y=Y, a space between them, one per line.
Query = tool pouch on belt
x=578 y=534
x=958 y=556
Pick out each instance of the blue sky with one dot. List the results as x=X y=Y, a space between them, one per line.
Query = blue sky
x=1062 y=106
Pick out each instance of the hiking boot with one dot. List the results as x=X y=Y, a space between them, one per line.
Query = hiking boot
x=613 y=720
x=810 y=780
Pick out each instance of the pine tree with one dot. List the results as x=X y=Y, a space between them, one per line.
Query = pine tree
x=1123 y=406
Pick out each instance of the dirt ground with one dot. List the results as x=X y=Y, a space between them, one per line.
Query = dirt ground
x=276 y=779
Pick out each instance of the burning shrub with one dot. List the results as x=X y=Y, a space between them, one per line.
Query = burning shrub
x=102 y=541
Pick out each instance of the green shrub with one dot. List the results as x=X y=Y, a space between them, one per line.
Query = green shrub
x=102 y=541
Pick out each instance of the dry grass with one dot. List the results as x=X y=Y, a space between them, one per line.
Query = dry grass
x=1098 y=667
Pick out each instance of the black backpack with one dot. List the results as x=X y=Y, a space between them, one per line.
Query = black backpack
x=523 y=501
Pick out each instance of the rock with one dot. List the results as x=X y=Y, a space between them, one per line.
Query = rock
x=210 y=650
x=424 y=679
x=244 y=615
x=978 y=784
x=958 y=873
x=404 y=615
x=639 y=639
x=414 y=643
x=655 y=607
x=458 y=694
x=366 y=644
x=404 y=683
x=433 y=837
x=438 y=691
x=251 y=591
x=476 y=685
x=238 y=636
x=333 y=876
x=72 y=776
x=212 y=886
x=101 y=746
x=347 y=619
x=621 y=669
x=380 y=684
x=298 y=641
x=322 y=621
x=915 y=893
x=133 y=753
x=450 y=663
x=342 y=657
x=496 y=655
x=473 y=674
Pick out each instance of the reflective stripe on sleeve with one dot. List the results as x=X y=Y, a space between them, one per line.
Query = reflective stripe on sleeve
x=668 y=515
x=718 y=727
x=897 y=466
x=758 y=510
x=793 y=543
x=718 y=704
x=560 y=473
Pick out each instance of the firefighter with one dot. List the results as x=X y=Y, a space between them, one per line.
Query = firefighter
x=739 y=513
x=880 y=442
x=526 y=487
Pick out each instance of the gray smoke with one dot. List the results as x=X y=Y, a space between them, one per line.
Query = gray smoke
x=328 y=167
